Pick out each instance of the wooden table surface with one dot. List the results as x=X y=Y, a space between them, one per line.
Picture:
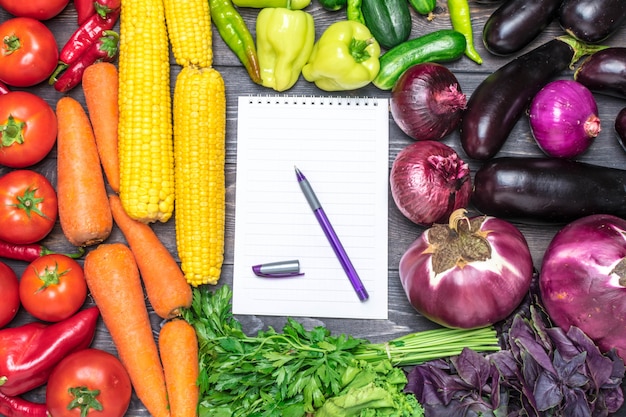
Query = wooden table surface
x=402 y=318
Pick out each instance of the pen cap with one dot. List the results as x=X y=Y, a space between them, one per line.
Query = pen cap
x=278 y=269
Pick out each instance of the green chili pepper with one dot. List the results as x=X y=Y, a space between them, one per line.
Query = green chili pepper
x=261 y=4
x=353 y=11
x=233 y=30
x=462 y=22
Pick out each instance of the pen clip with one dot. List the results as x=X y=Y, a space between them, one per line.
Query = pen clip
x=282 y=269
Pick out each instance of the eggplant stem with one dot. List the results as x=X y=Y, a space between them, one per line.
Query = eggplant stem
x=580 y=48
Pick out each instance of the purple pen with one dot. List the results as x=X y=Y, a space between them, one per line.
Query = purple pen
x=331 y=235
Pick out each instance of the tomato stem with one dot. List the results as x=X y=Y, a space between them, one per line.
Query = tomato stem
x=12 y=43
x=28 y=202
x=12 y=132
x=85 y=400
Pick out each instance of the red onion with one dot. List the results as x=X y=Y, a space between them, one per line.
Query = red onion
x=427 y=102
x=583 y=279
x=564 y=118
x=468 y=274
x=429 y=181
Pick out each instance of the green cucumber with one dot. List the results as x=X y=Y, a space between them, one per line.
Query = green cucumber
x=388 y=20
x=440 y=46
x=423 y=7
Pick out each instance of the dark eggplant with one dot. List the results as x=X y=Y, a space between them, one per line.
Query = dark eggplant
x=500 y=99
x=592 y=21
x=604 y=72
x=548 y=189
x=620 y=127
x=516 y=23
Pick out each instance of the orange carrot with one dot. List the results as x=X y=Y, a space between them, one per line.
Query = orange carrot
x=165 y=284
x=113 y=280
x=84 y=211
x=100 y=83
x=178 y=345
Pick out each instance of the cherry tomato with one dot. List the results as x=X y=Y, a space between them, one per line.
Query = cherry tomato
x=37 y=9
x=28 y=126
x=9 y=287
x=53 y=287
x=28 y=54
x=84 y=381
x=28 y=207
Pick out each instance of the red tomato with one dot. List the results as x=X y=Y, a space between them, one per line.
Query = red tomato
x=86 y=379
x=37 y=9
x=29 y=129
x=28 y=53
x=9 y=286
x=53 y=287
x=28 y=207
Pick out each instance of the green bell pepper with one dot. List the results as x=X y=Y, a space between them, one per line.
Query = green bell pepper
x=285 y=39
x=345 y=57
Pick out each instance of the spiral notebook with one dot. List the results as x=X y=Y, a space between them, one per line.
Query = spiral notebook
x=341 y=144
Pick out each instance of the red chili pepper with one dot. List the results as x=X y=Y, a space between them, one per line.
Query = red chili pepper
x=30 y=252
x=84 y=9
x=105 y=49
x=4 y=89
x=29 y=353
x=105 y=7
x=86 y=35
x=19 y=407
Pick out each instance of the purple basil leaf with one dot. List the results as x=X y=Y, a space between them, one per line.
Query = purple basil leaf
x=617 y=375
x=539 y=323
x=576 y=404
x=564 y=343
x=547 y=392
x=520 y=330
x=432 y=383
x=569 y=371
x=608 y=401
x=473 y=368
x=538 y=353
x=454 y=409
x=505 y=363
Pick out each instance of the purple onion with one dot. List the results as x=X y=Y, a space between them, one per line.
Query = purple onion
x=427 y=102
x=583 y=279
x=429 y=181
x=470 y=273
x=564 y=118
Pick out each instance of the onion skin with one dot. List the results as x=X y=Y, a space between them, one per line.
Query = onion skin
x=472 y=293
x=580 y=284
x=427 y=102
x=429 y=181
x=564 y=119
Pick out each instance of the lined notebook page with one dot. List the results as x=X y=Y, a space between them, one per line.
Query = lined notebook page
x=341 y=145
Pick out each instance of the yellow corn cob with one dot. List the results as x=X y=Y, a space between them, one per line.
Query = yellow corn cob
x=199 y=150
x=145 y=126
x=189 y=29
